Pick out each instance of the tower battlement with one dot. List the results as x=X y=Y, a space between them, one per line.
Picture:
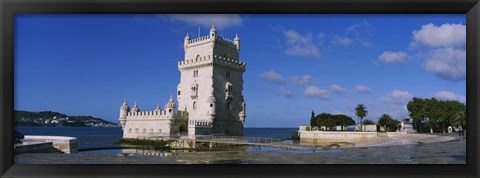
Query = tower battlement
x=199 y=39
x=207 y=39
x=208 y=60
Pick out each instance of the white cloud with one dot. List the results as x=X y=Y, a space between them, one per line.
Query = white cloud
x=337 y=88
x=272 y=76
x=341 y=40
x=395 y=103
x=362 y=89
x=397 y=96
x=448 y=63
x=392 y=57
x=360 y=32
x=301 y=80
x=447 y=95
x=317 y=92
x=286 y=93
x=446 y=35
x=221 y=21
x=300 y=45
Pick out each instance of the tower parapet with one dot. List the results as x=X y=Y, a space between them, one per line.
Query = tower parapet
x=208 y=60
x=207 y=39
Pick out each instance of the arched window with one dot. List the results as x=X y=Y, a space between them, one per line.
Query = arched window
x=195 y=73
x=229 y=90
x=194 y=105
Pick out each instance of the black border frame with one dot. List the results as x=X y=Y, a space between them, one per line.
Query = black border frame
x=9 y=8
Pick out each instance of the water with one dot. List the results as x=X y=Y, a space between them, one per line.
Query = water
x=453 y=152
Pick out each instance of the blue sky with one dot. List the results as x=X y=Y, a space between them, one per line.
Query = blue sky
x=87 y=64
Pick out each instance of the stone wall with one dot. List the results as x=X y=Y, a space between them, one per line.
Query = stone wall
x=333 y=136
x=64 y=144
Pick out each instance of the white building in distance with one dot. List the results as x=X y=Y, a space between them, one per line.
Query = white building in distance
x=210 y=94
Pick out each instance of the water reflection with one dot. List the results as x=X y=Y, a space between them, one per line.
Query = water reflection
x=453 y=152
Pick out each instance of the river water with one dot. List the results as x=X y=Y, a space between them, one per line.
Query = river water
x=453 y=152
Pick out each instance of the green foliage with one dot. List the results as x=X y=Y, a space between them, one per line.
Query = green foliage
x=343 y=120
x=312 y=119
x=361 y=112
x=179 y=126
x=430 y=113
x=460 y=119
x=388 y=123
x=368 y=122
x=149 y=144
x=329 y=120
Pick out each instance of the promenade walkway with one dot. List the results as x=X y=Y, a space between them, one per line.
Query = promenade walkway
x=383 y=139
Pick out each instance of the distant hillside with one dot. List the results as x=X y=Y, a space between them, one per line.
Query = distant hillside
x=56 y=119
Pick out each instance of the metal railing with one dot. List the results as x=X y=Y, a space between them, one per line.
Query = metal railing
x=242 y=140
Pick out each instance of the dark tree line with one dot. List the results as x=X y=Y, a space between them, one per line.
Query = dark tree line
x=330 y=120
x=435 y=115
x=388 y=123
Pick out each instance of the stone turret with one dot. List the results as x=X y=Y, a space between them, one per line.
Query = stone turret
x=213 y=36
x=124 y=109
x=243 y=113
x=135 y=108
x=158 y=109
x=236 y=41
x=211 y=103
x=170 y=107
x=186 y=42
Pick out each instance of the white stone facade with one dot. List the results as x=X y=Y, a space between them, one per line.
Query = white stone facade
x=210 y=93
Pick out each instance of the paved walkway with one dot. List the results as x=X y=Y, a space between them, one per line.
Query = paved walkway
x=382 y=140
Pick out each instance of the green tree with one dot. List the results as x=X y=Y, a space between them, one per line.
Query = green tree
x=325 y=119
x=343 y=120
x=312 y=120
x=460 y=119
x=361 y=112
x=368 y=122
x=388 y=122
x=433 y=114
x=417 y=112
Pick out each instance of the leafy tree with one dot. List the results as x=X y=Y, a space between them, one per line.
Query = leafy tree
x=417 y=112
x=368 y=122
x=343 y=120
x=312 y=120
x=325 y=119
x=460 y=119
x=432 y=113
x=179 y=126
x=361 y=112
x=388 y=122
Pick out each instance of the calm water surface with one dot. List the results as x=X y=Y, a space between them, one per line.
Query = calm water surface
x=453 y=152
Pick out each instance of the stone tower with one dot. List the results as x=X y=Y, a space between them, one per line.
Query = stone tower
x=211 y=85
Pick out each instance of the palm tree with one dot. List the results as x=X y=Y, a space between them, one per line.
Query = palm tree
x=385 y=120
x=361 y=112
x=460 y=119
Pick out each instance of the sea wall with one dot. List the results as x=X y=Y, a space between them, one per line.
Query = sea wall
x=65 y=144
x=33 y=147
x=334 y=136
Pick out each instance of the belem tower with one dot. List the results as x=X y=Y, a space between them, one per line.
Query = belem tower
x=209 y=95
